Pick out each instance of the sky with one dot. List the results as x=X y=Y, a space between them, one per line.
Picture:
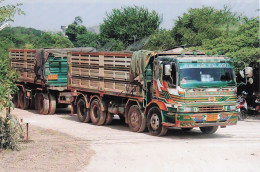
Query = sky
x=50 y=15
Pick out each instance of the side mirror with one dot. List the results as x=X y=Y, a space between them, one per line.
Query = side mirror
x=167 y=70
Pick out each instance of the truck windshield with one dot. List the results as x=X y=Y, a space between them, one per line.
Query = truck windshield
x=206 y=75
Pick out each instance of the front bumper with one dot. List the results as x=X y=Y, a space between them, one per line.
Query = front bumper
x=189 y=120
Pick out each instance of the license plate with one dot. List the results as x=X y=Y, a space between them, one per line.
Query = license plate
x=53 y=77
x=212 y=117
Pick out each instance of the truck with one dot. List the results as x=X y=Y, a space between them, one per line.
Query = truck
x=42 y=78
x=146 y=89
x=153 y=90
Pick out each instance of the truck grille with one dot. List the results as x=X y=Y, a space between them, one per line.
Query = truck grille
x=210 y=108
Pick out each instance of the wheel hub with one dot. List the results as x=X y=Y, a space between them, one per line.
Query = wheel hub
x=155 y=122
x=134 y=119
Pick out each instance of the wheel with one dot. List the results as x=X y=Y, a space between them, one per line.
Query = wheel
x=243 y=114
x=43 y=103
x=154 y=123
x=82 y=111
x=136 y=119
x=52 y=102
x=109 y=118
x=97 y=116
x=209 y=130
x=15 y=100
x=186 y=129
x=23 y=101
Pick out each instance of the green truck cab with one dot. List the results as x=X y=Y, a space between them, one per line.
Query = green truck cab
x=192 y=91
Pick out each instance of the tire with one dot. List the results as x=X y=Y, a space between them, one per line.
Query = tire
x=43 y=103
x=52 y=104
x=97 y=116
x=243 y=114
x=154 y=122
x=23 y=101
x=109 y=119
x=186 y=129
x=209 y=130
x=136 y=119
x=82 y=111
x=15 y=99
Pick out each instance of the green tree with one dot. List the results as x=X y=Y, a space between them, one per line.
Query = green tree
x=48 y=40
x=204 y=23
x=161 y=40
x=7 y=76
x=242 y=45
x=80 y=36
x=7 y=12
x=130 y=24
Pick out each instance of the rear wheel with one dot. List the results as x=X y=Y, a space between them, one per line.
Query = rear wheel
x=209 y=130
x=82 y=111
x=23 y=101
x=43 y=103
x=97 y=116
x=136 y=119
x=52 y=106
x=154 y=122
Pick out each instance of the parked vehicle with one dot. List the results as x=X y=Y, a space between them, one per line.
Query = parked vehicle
x=242 y=106
x=153 y=90
x=249 y=82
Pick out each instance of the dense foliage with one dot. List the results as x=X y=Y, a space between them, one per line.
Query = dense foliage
x=10 y=132
x=203 y=23
x=9 y=127
x=130 y=24
x=161 y=40
x=242 y=45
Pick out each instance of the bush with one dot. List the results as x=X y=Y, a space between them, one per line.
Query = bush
x=10 y=132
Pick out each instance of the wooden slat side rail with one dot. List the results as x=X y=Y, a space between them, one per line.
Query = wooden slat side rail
x=23 y=61
x=107 y=72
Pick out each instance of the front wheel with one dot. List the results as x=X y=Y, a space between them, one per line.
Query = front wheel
x=154 y=122
x=209 y=130
x=242 y=114
x=136 y=119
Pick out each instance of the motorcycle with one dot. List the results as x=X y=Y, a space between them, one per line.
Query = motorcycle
x=242 y=106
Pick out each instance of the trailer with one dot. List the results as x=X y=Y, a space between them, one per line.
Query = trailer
x=42 y=78
x=153 y=90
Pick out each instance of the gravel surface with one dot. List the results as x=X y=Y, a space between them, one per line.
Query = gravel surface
x=235 y=148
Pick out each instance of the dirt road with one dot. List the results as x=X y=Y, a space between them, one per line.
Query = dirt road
x=116 y=148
